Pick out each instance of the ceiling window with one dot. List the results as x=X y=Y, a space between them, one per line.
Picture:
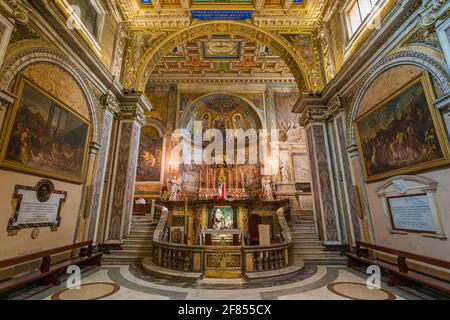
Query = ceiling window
x=357 y=13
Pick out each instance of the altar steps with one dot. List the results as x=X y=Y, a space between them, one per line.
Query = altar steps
x=136 y=247
x=307 y=245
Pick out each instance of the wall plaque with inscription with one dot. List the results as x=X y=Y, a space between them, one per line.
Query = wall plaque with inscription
x=35 y=207
x=411 y=213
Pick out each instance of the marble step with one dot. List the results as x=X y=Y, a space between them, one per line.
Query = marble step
x=143 y=224
x=140 y=237
x=138 y=232
x=150 y=267
x=304 y=236
x=142 y=229
x=307 y=241
x=311 y=227
x=137 y=246
x=145 y=220
x=307 y=245
x=139 y=241
x=118 y=260
x=319 y=255
x=308 y=228
x=130 y=253
x=302 y=232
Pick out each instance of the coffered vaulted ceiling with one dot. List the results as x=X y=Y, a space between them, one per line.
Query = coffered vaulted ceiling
x=222 y=58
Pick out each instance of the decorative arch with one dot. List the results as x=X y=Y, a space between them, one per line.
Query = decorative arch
x=139 y=76
x=19 y=60
x=417 y=59
x=249 y=103
x=157 y=124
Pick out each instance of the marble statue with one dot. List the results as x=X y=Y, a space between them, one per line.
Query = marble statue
x=267 y=189
x=284 y=168
x=174 y=188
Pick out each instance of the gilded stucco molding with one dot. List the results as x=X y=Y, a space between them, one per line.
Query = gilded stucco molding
x=432 y=12
x=18 y=11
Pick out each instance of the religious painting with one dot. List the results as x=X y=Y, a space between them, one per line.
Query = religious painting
x=140 y=43
x=150 y=156
x=44 y=136
x=222 y=218
x=177 y=235
x=303 y=43
x=256 y=98
x=187 y=98
x=160 y=104
x=287 y=121
x=403 y=134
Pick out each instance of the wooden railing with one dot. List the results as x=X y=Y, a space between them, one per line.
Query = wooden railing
x=268 y=258
x=190 y=258
x=178 y=257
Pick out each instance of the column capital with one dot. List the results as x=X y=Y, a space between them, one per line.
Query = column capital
x=109 y=102
x=94 y=147
x=313 y=113
x=132 y=112
x=335 y=106
x=352 y=150
x=6 y=98
x=443 y=103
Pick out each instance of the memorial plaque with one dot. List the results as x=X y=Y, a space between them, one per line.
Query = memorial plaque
x=35 y=207
x=411 y=213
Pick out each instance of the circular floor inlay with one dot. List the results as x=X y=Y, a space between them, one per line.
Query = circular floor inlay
x=359 y=291
x=88 y=291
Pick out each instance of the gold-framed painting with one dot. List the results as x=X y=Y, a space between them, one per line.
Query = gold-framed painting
x=44 y=137
x=402 y=134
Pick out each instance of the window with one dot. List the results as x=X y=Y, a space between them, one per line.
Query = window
x=357 y=13
x=89 y=14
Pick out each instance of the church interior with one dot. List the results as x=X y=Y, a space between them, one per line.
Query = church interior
x=224 y=150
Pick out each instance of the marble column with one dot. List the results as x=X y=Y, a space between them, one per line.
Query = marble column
x=324 y=194
x=350 y=192
x=120 y=204
x=110 y=106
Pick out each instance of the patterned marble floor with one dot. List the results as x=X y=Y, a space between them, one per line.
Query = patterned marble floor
x=317 y=282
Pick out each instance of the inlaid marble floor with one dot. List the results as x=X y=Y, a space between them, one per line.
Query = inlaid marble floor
x=317 y=282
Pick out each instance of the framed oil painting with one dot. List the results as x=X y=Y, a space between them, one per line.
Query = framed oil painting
x=44 y=137
x=150 y=156
x=403 y=134
x=222 y=218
